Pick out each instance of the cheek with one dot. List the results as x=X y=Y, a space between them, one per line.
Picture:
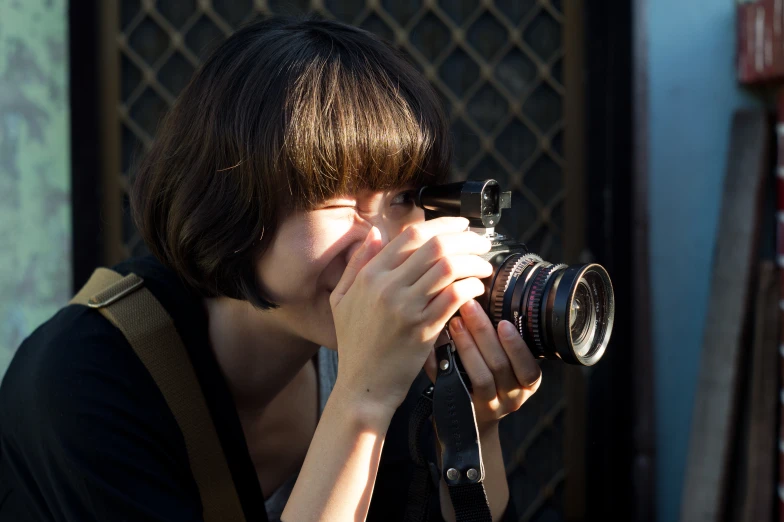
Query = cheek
x=290 y=270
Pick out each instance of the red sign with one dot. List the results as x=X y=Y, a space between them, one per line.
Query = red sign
x=760 y=41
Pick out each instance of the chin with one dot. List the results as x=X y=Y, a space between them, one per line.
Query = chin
x=328 y=341
x=323 y=333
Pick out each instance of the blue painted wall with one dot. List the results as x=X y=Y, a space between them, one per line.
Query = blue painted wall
x=692 y=94
x=35 y=174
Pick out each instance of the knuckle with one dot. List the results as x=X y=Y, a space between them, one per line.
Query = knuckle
x=403 y=310
x=516 y=397
x=497 y=363
x=437 y=247
x=483 y=380
x=453 y=297
x=364 y=277
x=447 y=268
x=533 y=379
x=414 y=234
x=386 y=296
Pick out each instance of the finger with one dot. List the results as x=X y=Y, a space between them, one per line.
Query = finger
x=525 y=367
x=494 y=355
x=361 y=257
x=445 y=272
x=443 y=338
x=482 y=381
x=434 y=250
x=443 y=306
x=431 y=367
x=413 y=237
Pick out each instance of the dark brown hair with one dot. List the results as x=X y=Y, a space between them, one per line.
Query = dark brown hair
x=284 y=114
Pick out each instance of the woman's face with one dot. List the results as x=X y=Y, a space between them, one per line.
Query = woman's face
x=311 y=249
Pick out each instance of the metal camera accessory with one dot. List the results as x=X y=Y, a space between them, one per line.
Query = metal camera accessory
x=563 y=312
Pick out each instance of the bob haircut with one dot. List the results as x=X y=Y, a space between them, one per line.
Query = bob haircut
x=286 y=113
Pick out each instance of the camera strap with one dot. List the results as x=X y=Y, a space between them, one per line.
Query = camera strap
x=449 y=403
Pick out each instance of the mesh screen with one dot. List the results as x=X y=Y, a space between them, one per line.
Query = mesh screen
x=498 y=66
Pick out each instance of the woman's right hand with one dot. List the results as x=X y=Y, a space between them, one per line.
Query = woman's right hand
x=392 y=303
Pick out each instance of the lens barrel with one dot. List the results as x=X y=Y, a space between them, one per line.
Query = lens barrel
x=563 y=312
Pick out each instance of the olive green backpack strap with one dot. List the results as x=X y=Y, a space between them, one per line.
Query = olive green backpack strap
x=149 y=329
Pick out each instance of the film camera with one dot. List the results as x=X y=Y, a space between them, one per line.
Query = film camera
x=562 y=311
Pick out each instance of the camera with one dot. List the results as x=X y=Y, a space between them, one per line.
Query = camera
x=563 y=312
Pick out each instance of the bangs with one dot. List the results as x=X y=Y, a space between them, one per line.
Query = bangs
x=357 y=123
x=284 y=114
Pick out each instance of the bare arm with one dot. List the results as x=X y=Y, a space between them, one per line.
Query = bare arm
x=389 y=306
x=339 y=472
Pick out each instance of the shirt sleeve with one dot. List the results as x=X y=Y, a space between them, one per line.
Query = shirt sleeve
x=90 y=435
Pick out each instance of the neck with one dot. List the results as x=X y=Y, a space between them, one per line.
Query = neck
x=257 y=356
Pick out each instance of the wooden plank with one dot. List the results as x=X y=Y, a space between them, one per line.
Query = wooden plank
x=762 y=403
x=736 y=248
x=779 y=492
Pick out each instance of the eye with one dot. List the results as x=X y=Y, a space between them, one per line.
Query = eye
x=404 y=198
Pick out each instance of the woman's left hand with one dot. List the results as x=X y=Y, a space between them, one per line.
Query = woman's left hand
x=503 y=372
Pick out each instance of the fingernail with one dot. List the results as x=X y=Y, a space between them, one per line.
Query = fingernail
x=457 y=324
x=507 y=329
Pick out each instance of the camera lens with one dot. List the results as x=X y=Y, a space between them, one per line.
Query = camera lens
x=581 y=314
x=563 y=312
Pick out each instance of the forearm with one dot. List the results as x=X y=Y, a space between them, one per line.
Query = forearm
x=337 y=478
x=496 y=485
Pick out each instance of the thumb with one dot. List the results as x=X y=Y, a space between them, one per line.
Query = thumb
x=361 y=257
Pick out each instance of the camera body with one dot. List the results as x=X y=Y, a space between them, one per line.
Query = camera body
x=562 y=312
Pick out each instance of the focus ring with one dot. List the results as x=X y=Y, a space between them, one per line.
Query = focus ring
x=512 y=268
x=498 y=295
x=502 y=282
x=535 y=297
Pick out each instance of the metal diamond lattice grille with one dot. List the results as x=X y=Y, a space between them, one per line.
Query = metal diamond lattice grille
x=498 y=68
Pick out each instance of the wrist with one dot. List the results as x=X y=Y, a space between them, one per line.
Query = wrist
x=488 y=431
x=365 y=411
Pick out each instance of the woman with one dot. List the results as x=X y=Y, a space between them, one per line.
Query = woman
x=276 y=201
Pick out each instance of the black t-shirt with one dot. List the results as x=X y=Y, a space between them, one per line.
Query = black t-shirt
x=86 y=435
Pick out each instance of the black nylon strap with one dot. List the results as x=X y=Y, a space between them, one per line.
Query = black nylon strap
x=421 y=487
x=419 y=492
x=470 y=503
x=468 y=500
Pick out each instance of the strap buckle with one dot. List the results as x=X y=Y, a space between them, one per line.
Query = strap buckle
x=125 y=286
x=455 y=422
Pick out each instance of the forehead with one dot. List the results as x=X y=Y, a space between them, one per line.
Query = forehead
x=371 y=194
